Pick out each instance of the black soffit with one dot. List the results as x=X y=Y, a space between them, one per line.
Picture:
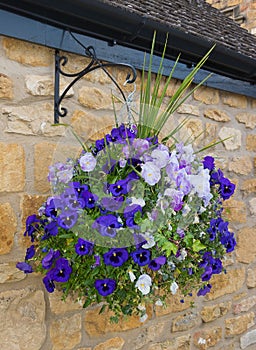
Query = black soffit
x=115 y=25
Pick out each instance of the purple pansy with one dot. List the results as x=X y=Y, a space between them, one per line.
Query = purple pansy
x=90 y=199
x=157 y=263
x=116 y=257
x=49 y=258
x=119 y=188
x=83 y=247
x=107 y=225
x=48 y=283
x=30 y=252
x=62 y=270
x=67 y=219
x=25 y=267
x=50 y=229
x=141 y=256
x=112 y=203
x=32 y=224
x=226 y=189
x=105 y=286
x=204 y=290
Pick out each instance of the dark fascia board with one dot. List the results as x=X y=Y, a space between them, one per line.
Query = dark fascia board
x=115 y=25
x=34 y=31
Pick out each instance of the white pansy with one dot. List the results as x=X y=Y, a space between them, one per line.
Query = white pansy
x=159 y=302
x=174 y=287
x=143 y=318
x=144 y=283
x=139 y=201
x=183 y=254
x=150 y=240
x=196 y=220
x=132 y=276
x=87 y=162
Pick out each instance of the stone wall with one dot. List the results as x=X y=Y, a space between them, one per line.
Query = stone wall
x=246 y=8
x=30 y=319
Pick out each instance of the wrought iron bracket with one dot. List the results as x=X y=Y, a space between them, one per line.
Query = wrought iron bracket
x=95 y=63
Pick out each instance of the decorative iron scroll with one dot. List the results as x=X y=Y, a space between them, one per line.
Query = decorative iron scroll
x=95 y=63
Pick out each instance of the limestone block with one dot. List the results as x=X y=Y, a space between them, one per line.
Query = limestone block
x=94 y=98
x=244 y=305
x=249 y=186
x=116 y=343
x=27 y=53
x=185 y=322
x=43 y=157
x=211 y=313
x=207 y=95
x=99 y=324
x=252 y=206
x=235 y=211
x=228 y=283
x=174 y=304
x=189 y=109
x=10 y=273
x=217 y=115
x=234 y=136
x=246 y=245
x=8 y=227
x=65 y=332
x=247 y=118
x=22 y=319
x=241 y=165
x=91 y=127
x=177 y=343
x=248 y=339
x=234 y=100
x=43 y=85
x=204 y=339
x=192 y=130
x=6 y=87
x=12 y=170
x=210 y=134
x=240 y=324
x=59 y=306
x=251 y=143
x=251 y=277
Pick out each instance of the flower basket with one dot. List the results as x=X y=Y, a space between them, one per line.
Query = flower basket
x=132 y=219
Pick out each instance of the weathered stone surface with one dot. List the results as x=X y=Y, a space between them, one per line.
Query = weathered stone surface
x=22 y=319
x=249 y=186
x=217 y=115
x=207 y=338
x=228 y=283
x=234 y=136
x=189 y=109
x=43 y=85
x=43 y=156
x=251 y=277
x=210 y=134
x=248 y=339
x=84 y=349
x=59 y=306
x=235 y=211
x=178 y=343
x=244 y=305
x=241 y=165
x=210 y=313
x=90 y=126
x=10 y=273
x=174 y=304
x=207 y=95
x=8 y=227
x=34 y=119
x=247 y=118
x=252 y=206
x=185 y=322
x=146 y=335
x=192 y=130
x=27 y=53
x=99 y=324
x=66 y=332
x=116 y=343
x=12 y=170
x=246 y=245
x=6 y=87
x=240 y=324
x=251 y=143
x=234 y=100
x=94 y=98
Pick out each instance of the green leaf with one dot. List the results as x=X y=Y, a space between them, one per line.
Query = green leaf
x=169 y=248
x=197 y=246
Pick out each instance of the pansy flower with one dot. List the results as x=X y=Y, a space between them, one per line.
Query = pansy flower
x=67 y=219
x=49 y=258
x=105 y=286
x=30 y=252
x=62 y=270
x=49 y=283
x=116 y=257
x=141 y=256
x=83 y=247
x=157 y=263
x=107 y=225
x=24 y=266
